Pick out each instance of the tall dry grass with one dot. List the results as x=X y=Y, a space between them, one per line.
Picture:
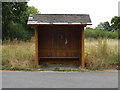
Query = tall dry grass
x=99 y=53
x=18 y=55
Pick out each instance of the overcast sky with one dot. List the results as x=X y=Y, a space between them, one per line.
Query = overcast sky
x=99 y=10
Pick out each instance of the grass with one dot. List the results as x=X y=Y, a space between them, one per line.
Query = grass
x=80 y=69
x=18 y=55
x=99 y=54
x=56 y=69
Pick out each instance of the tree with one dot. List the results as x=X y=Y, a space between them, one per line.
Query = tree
x=115 y=21
x=14 y=20
x=29 y=10
x=32 y=10
x=100 y=26
x=11 y=13
x=104 y=26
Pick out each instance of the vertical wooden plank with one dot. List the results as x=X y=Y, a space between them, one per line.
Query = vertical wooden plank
x=36 y=47
x=82 y=47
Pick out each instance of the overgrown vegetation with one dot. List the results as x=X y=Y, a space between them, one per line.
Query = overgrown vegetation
x=18 y=55
x=97 y=33
x=105 y=29
x=99 y=54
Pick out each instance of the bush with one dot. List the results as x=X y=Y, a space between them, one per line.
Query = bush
x=17 y=31
x=96 y=33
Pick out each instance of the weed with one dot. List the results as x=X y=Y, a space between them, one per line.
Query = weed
x=44 y=66
x=96 y=67
x=56 y=69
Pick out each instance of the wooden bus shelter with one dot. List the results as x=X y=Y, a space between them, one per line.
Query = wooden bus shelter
x=59 y=37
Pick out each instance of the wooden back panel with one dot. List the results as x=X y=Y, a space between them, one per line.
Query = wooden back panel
x=59 y=41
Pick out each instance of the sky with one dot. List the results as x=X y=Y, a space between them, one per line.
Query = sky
x=99 y=10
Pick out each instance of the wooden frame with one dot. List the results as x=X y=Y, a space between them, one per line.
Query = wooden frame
x=81 y=57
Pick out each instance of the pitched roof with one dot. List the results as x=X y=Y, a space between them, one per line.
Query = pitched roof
x=59 y=19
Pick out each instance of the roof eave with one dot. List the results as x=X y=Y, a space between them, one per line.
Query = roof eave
x=59 y=24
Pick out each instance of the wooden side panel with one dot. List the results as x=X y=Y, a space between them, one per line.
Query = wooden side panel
x=36 y=45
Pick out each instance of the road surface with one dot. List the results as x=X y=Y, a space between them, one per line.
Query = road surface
x=36 y=79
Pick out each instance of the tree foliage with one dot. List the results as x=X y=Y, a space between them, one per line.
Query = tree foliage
x=14 y=20
x=104 y=26
x=13 y=11
x=115 y=25
x=31 y=10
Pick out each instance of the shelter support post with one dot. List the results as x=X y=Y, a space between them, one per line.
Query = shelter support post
x=36 y=47
x=82 y=48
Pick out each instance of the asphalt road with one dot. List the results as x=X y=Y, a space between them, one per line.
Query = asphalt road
x=11 y=79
